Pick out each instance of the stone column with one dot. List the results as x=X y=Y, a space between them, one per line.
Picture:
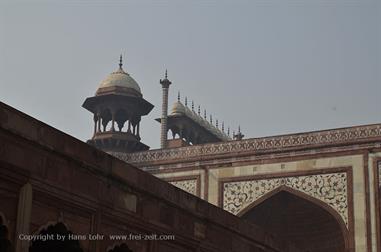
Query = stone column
x=99 y=122
x=113 y=121
x=129 y=125
x=24 y=211
x=138 y=130
x=164 y=114
x=95 y=124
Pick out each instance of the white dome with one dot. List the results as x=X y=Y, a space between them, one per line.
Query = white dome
x=120 y=78
x=178 y=109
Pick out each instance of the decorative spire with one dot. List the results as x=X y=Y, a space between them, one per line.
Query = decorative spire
x=211 y=119
x=178 y=96
x=192 y=106
x=217 y=123
x=120 y=62
x=165 y=83
x=239 y=135
x=205 y=114
x=199 y=110
x=186 y=101
x=223 y=127
x=228 y=131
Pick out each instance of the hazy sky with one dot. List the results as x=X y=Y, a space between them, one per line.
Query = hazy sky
x=272 y=66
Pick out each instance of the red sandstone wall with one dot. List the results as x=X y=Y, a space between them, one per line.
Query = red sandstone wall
x=92 y=192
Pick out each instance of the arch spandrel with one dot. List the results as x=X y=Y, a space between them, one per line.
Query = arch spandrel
x=330 y=188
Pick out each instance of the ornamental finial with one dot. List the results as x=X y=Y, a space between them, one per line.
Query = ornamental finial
x=120 y=61
x=166 y=74
x=186 y=101
x=178 y=96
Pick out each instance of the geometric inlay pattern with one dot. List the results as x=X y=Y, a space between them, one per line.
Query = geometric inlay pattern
x=330 y=188
x=189 y=185
x=287 y=142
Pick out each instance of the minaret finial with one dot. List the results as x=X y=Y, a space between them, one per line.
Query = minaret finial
x=120 y=61
x=178 y=96
x=166 y=74
x=239 y=135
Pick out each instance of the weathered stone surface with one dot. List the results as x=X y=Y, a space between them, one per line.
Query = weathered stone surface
x=91 y=192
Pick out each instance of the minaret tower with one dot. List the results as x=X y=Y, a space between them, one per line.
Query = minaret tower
x=164 y=111
x=118 y=106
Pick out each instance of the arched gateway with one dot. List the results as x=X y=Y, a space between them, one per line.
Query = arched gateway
x=307 y=223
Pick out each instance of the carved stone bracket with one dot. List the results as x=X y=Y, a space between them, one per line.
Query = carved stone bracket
x=330 y=188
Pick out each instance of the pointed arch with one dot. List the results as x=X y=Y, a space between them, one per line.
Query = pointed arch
x=5 y=243
x=54 y=228
x=119 y=247
x=316 y=202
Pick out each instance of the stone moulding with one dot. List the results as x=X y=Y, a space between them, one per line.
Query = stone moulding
x=330 y=188
x=335 y=137
x=379 y=174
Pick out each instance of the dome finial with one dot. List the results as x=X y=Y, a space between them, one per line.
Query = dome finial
x=120 y=61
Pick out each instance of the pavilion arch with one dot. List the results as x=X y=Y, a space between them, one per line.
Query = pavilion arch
x=54 y=245
x=266 y=205
x=3 y=220
x=5 y=243
x=119 y=247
